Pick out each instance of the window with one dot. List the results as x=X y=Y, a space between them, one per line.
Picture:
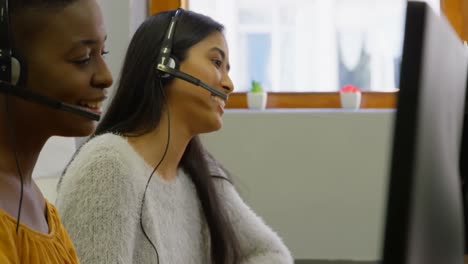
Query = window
x=311 y=45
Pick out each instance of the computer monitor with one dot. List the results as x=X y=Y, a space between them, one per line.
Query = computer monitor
x=424 y=218
x=464 y=168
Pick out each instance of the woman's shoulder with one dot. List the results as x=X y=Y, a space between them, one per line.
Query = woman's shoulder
x=104 y=147
x=107 y=154
x=104 y=162
x=105 y=142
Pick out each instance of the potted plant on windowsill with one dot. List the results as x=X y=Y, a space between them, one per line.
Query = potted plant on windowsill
x=256 y=97
x=350 y=97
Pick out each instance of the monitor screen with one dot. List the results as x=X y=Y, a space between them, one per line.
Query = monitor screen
x=464 y=168
x=424 y=218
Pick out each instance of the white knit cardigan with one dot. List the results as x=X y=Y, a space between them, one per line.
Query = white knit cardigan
x=99 y=200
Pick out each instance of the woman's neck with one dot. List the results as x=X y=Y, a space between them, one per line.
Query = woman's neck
x=152 y=146
x=20 y=144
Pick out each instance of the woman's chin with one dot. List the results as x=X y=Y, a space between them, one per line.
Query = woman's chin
x=80 y=129
x=211 y=127
x=217 y=125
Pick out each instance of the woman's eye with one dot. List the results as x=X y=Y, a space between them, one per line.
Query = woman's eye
x=82 y=61
x=85 y=61
x=217 y=62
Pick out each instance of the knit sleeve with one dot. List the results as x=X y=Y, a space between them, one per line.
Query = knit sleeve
x=259 y=243
x=93 y=200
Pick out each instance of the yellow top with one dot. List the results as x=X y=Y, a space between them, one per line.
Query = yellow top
x=30 y=246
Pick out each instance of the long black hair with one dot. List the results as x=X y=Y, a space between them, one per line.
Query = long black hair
x=139 y=102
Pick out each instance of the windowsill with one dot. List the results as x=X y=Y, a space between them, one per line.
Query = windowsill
x=323 y=100
x=311 y=110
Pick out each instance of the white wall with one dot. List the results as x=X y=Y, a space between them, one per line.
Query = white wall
x=434 y=4
x=120 y=22
x=317 y=177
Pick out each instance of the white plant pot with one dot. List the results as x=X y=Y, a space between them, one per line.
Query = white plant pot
x=350 y=100
x=257 y=100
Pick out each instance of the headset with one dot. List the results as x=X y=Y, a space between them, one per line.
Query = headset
x=10 y=72
x=10 y=66
x=13 y=72
x=168 y=66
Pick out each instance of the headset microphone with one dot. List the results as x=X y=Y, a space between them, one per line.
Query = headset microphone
x=28 y=95
x=186 y=77
x=168 y=66
x=12 y=72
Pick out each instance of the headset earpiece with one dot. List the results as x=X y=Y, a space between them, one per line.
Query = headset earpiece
x=172 y=63
x=165 y=58
x=16 y=73
x=11 y=66
x=18 y=69
x=167 y=66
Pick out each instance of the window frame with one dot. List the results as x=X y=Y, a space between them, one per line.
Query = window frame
x=370 y=99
